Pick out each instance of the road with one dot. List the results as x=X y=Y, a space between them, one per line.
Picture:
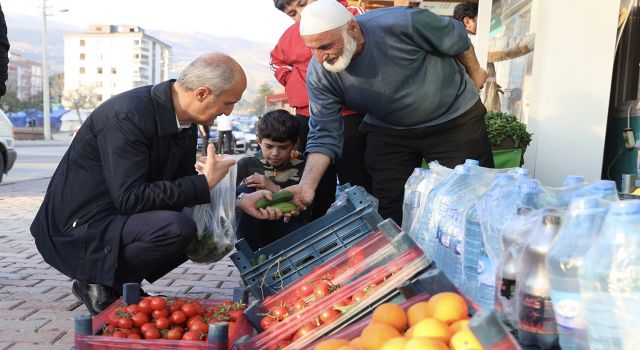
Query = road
x=34 y=162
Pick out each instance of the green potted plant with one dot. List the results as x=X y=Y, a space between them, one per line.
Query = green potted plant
x=509 y=139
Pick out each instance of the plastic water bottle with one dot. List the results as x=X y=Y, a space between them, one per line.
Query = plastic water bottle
x=600 y=188
x=513 y=239
x=537 y=323
x=576 y=236
x=610 y=280
x=574 y=181
x=476 y=262
x=411 y=200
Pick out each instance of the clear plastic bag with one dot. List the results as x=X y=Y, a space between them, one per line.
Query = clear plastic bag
x=216 y=234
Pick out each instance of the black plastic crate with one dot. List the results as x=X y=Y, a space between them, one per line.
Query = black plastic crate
x=297 y=253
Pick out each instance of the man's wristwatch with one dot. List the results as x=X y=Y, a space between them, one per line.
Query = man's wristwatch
x=239 y=199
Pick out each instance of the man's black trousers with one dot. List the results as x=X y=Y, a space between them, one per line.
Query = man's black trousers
x=392 y=154
x=152 y=244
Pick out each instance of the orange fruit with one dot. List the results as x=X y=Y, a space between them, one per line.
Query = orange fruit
x=432 y=328
x=417 y=312
x=331 y=344
x=390 y=314
x=394 y=344
x=459 y=325
x=357 y=342
x=448 y=307
x=350 y=347
x=376 y=334
x=425 y=344
x=465 y=340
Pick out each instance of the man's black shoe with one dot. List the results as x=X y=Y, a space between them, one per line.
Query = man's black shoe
x=95 y=297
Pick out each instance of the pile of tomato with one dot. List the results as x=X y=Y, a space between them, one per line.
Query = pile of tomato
x=159 y=318
x=308 y=293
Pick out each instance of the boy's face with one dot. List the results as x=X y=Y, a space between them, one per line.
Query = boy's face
x=295 y=9
x=276 y=153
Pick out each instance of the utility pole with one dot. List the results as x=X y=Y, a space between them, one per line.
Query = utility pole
x=46 y=105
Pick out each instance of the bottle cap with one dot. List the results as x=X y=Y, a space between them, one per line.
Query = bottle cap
x=461 y=169
x=472 y=163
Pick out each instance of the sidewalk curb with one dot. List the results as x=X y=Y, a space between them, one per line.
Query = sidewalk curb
x=41 y=143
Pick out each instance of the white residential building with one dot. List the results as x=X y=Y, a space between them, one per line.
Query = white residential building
x=24 y=77
x=111 y=59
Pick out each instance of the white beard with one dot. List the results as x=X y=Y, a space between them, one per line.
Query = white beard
x=343 y=60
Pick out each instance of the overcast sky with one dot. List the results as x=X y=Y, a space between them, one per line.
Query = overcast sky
x=256 y=20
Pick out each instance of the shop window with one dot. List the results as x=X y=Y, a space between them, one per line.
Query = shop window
x=81 y=70
x=82 y=56
x=82 y=42
x=99 y=70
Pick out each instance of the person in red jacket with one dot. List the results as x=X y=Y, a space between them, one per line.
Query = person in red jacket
x=289 y=61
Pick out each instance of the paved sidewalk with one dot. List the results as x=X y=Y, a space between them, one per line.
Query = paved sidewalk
x=36 y=304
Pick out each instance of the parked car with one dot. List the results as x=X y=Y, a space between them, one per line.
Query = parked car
x=250 y=135
x=239 y=140
x=239 y=143
x=8 y=152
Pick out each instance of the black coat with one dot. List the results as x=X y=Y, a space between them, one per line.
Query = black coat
x=128 y=157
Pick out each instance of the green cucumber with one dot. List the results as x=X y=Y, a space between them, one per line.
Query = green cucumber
x=278 y=197
x=285 y=207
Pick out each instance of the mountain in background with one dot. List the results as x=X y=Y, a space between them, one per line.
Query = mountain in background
x=25 y=37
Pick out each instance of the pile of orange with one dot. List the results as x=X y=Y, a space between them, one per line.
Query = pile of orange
x=442 y=323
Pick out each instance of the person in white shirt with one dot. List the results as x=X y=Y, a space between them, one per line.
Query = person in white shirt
x=225 y=134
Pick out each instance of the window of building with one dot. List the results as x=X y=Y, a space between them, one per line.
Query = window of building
x=99 y=84
x=136 y=56
x=81 y=42
x=99 y=70
x=81 y=70
x=82 y=56
x=113 y=70
x=136 y=42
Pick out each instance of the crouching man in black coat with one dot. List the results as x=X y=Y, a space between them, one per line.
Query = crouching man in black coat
x=112 y=211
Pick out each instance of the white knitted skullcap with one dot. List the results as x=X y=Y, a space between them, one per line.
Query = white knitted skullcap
x=323 y=15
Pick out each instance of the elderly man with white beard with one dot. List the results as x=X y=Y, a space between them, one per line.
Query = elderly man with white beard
x=415 y=76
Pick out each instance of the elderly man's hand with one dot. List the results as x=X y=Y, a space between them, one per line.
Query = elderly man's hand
x=248 y=205
x=214 y=167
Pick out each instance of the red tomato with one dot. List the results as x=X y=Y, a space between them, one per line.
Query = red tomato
x=134 y=336
x=358 y=297
x=193 y=319
x=304 y=330
x=279 y=313
x=139 y=319
x=119 y=334
x=321 y=289
x=304 y=290
x=267 y=322
x=299 y=305
x=235 y=315
x=199 y=326
x=176 y=305
x=191 y=335
x=145 y=306
x=158 y=303
x=112 y=319
x=109 y=329
x=152 y=333
x=163 y=323
x=189 y=310
x=174 y=334
x=133 y=308
x=124 y=322
x=178 y=317
x=329 y=315
x=198 y=306
x=147 y=326
x=160 y=313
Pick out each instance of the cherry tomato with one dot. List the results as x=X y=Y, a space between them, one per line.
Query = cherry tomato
x=145 y=306
x=139 y=318
x=133 y=308
x=279 y=313
x=178 y=317
x=191 y=335
x=197 y=306
x=267 y=322
x=176 y=305
x=304 y=290
x=174 y=334
x=163 y=323
x=152 y=333
x=235 y=315
x=158 y=303
x=358 y=297
x=112 y=319
x=134 y=336
x=119 y=334
x=199 y=326
x=329 y=315
x=321 y=289
x=192 y=319
x=147 y=326
x=304 y=330
x=124 y=322
x=299 y=305
x=160 y=313
x=189 y=310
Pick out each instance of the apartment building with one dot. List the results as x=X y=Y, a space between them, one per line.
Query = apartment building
x=24 y=77
x=110 y=59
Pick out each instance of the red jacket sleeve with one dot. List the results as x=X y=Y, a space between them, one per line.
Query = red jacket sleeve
x=281 y=69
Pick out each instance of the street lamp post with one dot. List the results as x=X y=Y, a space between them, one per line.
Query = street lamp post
x=46 y=105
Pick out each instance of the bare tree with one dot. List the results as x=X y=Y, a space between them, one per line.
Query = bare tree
x=84 y=97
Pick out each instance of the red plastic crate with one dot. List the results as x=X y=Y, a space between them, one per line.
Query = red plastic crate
x=98 y=342
x=398 y=270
